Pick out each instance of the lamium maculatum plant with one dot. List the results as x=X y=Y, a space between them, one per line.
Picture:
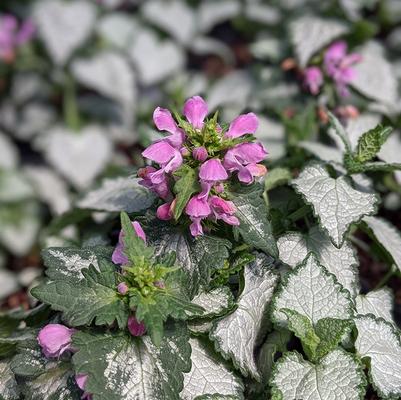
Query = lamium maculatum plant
x=220 y=280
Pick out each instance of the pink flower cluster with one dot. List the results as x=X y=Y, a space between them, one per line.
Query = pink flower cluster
x=217 y=156
x=12 y=37
x=338 y=65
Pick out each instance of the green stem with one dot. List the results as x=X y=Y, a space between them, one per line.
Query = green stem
x=300 y=213
x=386 y=277
x=70 y=107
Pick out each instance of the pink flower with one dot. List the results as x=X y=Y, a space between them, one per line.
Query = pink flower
x=164 y=121
x=135 y=327
x=55 y=339
x=168 y=157
x=338 y=65
x=161 y=188
x=313 y=79
x=81 y=379
x=195 y=111
x=211 y=172
x=243 y=124
x=224 y=210
x=244 y=158
x=164 y=212
x=11 y=37
x=118 y=256
x=200 y=154
x=197 y=209
x=122 y=288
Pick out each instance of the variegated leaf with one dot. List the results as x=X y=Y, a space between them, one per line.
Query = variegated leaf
x=58 y=27
x=377 y=302
x=209 y=375
x=335 y=202
x=132 y=368
x=341 y=262
x=309 y=34
x=236 y=334
x=312 y=292
x=118 y=194
x=215 y=302
x=62 y=262
x=379 y=341
x=337 y=376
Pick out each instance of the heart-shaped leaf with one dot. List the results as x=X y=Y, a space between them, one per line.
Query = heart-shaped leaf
x=377 y=302
x=335 y=202
x=64 y=26
x=79 y=156
x=337 y=376
x=342 y=262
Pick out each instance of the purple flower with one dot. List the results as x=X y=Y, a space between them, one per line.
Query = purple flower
x=200 y=153
x=55 y=339
x=118 y=256
x=195 y=111
x=164 y=121
x=243 y=124
x=11 y=37
x=211 y=172
x=313 y=79
x=223 y=210
x=168 y=157
x=244 y=158
x=135 y=327
x=197 y=209
x=122 y=288
x=161 y=188
x=164 y=212
x=338 y=65
x=81 y=379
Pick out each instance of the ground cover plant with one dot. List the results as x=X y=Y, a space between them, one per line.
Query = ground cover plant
x=200 y=200
x=201 y=297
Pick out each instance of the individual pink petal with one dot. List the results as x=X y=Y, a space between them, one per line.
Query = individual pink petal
x=213 y=171
x=220 y=205
x=196 y=227
x=200 y=154
x=139 y=231
x=256 y=169
x=160 y=152
x=164 y=212
x=230 y=219
x=245 y=176
x=55 y=339
x=248 y=153
x=197 y=207
x=135 y=327
x=118 y=256
x=81 y=380
x=174 y=163
x=195 y=110
x=164 y=121
x=243 y=124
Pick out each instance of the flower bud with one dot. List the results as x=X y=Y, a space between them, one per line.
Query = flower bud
x=81 y=379
x=164 y=212
x=55 y=339
x=159 y=284
x=122 y=288
x=135 y=327
x=200 y=154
